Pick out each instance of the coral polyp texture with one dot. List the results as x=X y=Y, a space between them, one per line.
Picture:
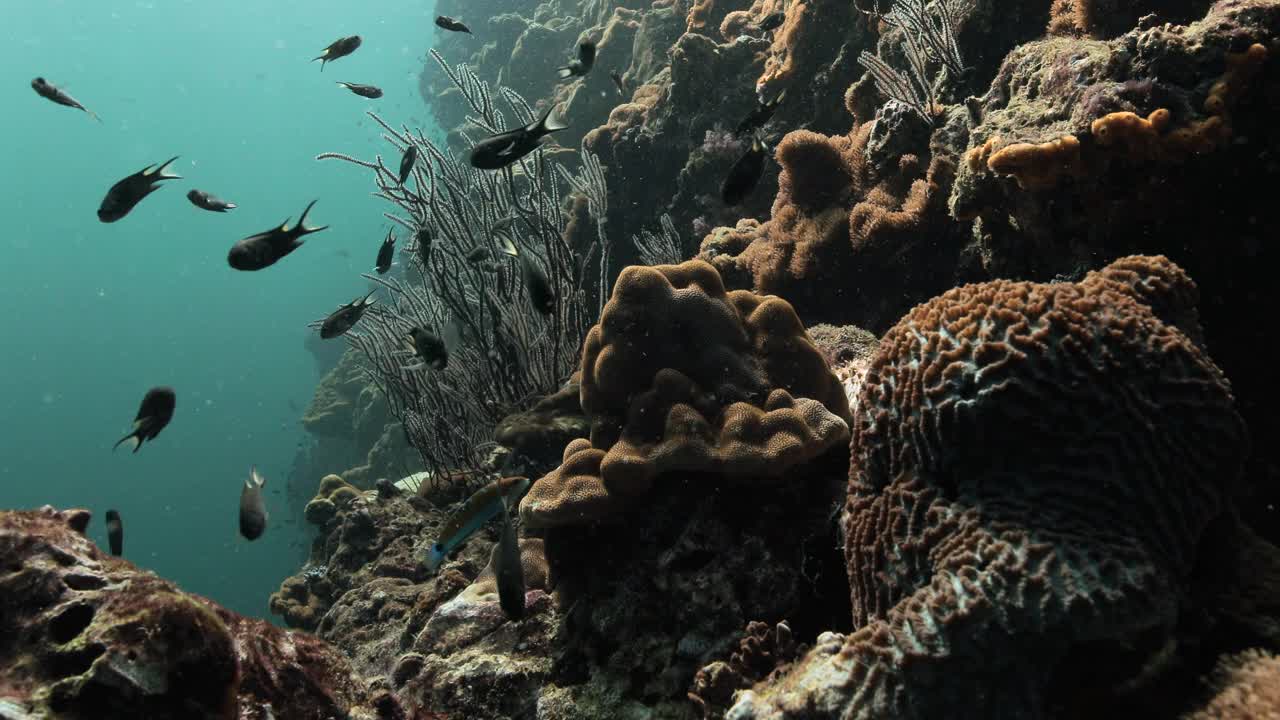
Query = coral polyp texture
x=1033 y=467
x=680 y=375
x=86 y=635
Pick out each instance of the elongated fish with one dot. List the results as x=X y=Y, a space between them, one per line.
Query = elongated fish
x=125 y=195
x=759 y=115
x=386 y=252
x=206 y=201
x=153 y=415
x=507 y=568
x=406 y=162
x=339 y=48
x=115 y=533
x=479 y=509
x=48 y=91
x=264 y=249
x=445 y=22
x=369 y=91
x=498 y=151
x=253 y=511
x=345 y=317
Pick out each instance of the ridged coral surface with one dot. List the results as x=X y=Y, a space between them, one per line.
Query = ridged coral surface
x=680 y=375
x=1033 y=466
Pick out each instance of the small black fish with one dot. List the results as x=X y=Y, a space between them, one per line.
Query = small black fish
x=503 y=149
x=772 y=21
x=340 y=48
x=541 y=294
x=448 y=23
x=759 y=115
x=478 y=253
x=385 y=253
x=368 y=91
x=253 y=511
x=508 y=570
x=115 y=533
x=617 y=82
x=125 y=195
x=429 y=349
x=424 y=240
x=745 y=174
x=205 y=201
x=48 y=91
x=264 y=249
x=153 y=415
x=407 y=161
x=345 y=317
x=582 y=64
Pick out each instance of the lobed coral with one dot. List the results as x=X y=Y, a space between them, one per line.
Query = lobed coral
x=1248 y=687
x=681 y=375
x=87 y=635
x=1033 y=471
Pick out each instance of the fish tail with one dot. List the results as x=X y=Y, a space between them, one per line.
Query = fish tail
x=367 y=301
x=302 y=221
x=93 y=114
x=564 y=72
x=257 y=479
x=131 y=437
x=509 y=247
x=551 y=121
x=162 y=175
x=230 y=206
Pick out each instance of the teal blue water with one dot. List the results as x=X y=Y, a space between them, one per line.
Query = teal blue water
x=94 y=314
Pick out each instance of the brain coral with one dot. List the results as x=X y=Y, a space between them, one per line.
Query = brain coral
x=681 y=375
x=1033 y=467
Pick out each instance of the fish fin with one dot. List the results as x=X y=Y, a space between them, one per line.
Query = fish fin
x=230 y=206
x=302 y=221
x=366 y=300
x=509 y=247
x=160 y=173
x=93 y=114
x=564 y=72
x=131 y=437
x=550 y=121
x=257 y=479
x=508 y=149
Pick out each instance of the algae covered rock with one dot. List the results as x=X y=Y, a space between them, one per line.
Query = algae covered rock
x=84 y=635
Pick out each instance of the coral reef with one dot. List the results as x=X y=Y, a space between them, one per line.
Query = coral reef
x=681 y=376
x=1248 y=687
x=354 y=424
x=1118 y=445
x=86 y=635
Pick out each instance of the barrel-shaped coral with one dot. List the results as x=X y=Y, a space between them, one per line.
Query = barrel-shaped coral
x=680 y=375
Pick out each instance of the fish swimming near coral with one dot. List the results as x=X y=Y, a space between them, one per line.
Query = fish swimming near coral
x=428 y=348
x=153 y=415
x=423 y=239
x=759 y=115
x=498 y=151
x=479 y=509
x=253 y=511
x=541 y=294
x=369 y=91
x=582 y=64
x=48 y=91
x=339 y=48
x=125 y=195
x=745 y=174
x=772 y=21
x=447 y=23
x=508 y=570
x=115 y=533
x=618 y=83
x=266 y=248
x=205 y=201
x=345 y=317
x=385 y=254
x=407 y=162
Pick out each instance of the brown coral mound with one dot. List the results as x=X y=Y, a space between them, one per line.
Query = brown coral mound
x=1248 y=689
x=1108 y=18
x=1033 y=469
x=681 y=375
x=86 y=635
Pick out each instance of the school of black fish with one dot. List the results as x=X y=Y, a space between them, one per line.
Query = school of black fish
x=428 y=351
